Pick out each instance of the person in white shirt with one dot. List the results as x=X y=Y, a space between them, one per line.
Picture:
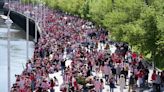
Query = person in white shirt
x=122 y=82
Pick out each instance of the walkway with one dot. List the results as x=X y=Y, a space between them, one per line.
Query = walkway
x=66 y=32
x=59 y=76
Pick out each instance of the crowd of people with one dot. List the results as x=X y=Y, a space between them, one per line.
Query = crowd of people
x=93 y=64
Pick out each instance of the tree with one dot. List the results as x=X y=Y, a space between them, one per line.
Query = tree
x=138 y=22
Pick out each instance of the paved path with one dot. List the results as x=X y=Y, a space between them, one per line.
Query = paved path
x=107 y=88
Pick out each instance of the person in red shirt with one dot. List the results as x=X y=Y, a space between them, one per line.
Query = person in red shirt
x=52 y=84
x=154 y=77
x=140 y=77
x=134 y=62
x=134 y=56
x=32 y=78
x=101 y=85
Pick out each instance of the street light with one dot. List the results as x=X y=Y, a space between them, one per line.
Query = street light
x=44 y=16
x=27 y=13
x=41 y=13
x=154 y=49
x=42 y=8
x=8 y=23
x=41 y=18
x=36 y=8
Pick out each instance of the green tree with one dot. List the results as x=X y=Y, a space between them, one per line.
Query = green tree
x=138 y=22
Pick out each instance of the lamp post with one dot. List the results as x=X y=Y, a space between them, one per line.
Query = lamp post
x=40 y=19
x=8 y=23
x=27 y=13
x=41 y=15
x=154 y=49
x=36 y=23
x=44 y=15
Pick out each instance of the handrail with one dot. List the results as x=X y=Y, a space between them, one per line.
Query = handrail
x=39 y=29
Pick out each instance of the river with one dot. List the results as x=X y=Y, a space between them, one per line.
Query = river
x=17 y=53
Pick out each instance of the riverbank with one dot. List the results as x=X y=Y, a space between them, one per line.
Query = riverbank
x=17 y=52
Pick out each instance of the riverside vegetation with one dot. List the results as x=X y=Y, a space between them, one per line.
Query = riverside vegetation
x=138 y=22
